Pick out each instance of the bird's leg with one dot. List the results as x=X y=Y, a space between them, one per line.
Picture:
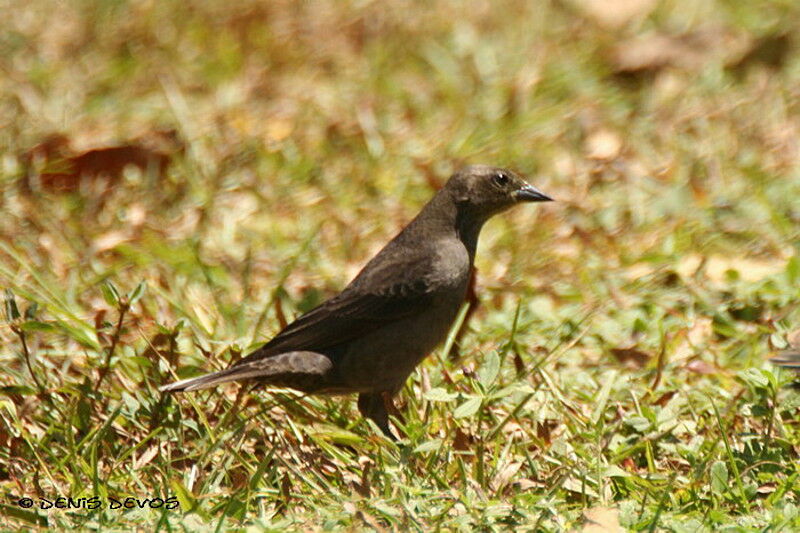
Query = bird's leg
x=392 y=409
x=473 y=301
x=371 y=405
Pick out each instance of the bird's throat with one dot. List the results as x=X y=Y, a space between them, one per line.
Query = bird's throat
x=468 y=229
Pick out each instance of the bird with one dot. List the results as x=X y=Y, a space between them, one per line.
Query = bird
x=369 y=338
x=789 y=358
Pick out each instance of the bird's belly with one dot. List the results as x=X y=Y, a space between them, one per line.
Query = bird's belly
x=383 y=360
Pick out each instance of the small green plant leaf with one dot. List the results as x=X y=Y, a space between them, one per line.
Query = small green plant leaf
x=489 y=369
x=468 y=408
x=438 y=394
x=110 y=294
x=428 y=446
x=12 y=311
x=137 y=292
x=719 y=477
x=36 y=325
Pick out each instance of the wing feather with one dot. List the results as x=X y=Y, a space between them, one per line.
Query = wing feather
x=376 y=297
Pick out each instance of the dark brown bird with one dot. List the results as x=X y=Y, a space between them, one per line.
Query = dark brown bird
x=369 y=338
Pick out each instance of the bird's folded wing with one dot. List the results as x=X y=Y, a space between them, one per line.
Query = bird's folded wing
x=358 y=310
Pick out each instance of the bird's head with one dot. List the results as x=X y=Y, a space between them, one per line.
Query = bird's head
x=485 y=191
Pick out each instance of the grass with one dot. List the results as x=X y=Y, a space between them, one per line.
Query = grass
x=615 y=369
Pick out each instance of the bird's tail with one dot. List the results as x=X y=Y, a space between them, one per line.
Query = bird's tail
x=787 y=359
x=288 y=369
x=203 y=382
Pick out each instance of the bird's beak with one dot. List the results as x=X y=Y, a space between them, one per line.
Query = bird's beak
x=529 y=193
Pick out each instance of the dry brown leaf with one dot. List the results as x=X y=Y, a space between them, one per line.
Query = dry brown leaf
x=700 y=331
x=544 y=430
x=513 y=430
x=53 y=146
x=615 y=13
x=794 y=338
x=716 y=267
x=699 y=366
x=767 y=488
x=278 y=129
x=603 y=145
x=371 y=521
x=653 y=51
x=362 y=486
x=770 y=50
x=629 y=464
x=528 y=484
x=505 y=474
x=665 y=398
x=54 y=167
x=601 y=520
x=137 y=214
x=631 y=357
x=145 y=458
x=462 y=441
x=519 y=365
x=698 y=334
x=110 y=240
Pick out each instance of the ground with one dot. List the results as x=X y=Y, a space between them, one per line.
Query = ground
x=614 y=374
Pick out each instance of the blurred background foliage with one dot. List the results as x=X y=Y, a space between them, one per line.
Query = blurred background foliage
x=179 y=179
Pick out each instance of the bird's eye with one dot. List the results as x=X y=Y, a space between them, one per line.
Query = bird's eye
x=500 y=179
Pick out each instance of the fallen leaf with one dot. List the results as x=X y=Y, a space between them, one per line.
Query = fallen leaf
x=603 y=145
x=53 y=166
x=615 y=13
x=527 y=484
x=700 y=331
x=793 y=338
x=505 y=474
x=145 y=458
x=371 y=521
x=767 y=488
x=653 y=51
x=699 y=366
x=770 y=51
x=53 y=146
x=362 y=486
x=137 y=214
x=110 y=240
x=462 y=441
x=278 y=129
x=665 y=398
x=544 y=430
x=579 y=487
x=716 y=267
x=631 y=357
x=601 y=520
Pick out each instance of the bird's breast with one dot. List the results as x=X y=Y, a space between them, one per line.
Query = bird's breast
x=383 y=360
x=452 y=265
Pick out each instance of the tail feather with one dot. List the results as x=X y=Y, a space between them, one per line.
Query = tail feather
x=787 y=359
x=289 y=369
